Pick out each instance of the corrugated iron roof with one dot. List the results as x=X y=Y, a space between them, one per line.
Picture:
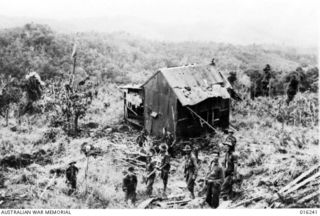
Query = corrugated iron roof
x=195 y=83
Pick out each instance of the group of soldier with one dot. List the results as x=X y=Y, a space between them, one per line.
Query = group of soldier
x=218 y=181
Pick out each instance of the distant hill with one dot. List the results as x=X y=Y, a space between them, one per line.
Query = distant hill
x=236 y=32
x=121 y=57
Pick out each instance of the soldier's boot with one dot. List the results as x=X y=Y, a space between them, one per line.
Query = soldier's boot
x=192 y=195
x=228 y=196
x=164 y=191
x=149 y=191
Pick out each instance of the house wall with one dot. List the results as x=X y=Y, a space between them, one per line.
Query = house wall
x=214 y=110
x=159 y=99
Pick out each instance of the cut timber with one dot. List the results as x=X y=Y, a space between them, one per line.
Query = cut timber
x=307 y=190
x=310 y=196
x=302 y=183
x=181 y=202
x=298 y=179
x=248 y=201
x=176 y=196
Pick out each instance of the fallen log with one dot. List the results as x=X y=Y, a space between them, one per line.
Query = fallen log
x=181 y=202
x=249 y=201
x=310 y=196
x=303 y=192
x=177 y=196
x=302 y=183
x=296 y=187
x=299 y=178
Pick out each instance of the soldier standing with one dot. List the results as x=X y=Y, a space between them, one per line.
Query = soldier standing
x=190 y=169
x=292 y=89
x=230 y=138
x=266 y=80
x=214 y=180
x=142 y=138
x=230 y=171
x=71 y=175
x=151 y=172
x=165 y=165
x=129 y=185
x=169 y=140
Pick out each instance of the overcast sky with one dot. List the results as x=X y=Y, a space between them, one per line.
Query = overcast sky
x=279 y=15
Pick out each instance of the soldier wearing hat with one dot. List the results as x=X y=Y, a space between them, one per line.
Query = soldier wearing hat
x=265 y=80
x=129 y=185
x=190 y=169
x=229 y=165
x=231 y=138
x=71 y=175
x=165 y=165
x=214 y=180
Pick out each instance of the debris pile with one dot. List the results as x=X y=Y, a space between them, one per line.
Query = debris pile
x=174 y=201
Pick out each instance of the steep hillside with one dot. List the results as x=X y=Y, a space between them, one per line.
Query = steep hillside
x=271 y=155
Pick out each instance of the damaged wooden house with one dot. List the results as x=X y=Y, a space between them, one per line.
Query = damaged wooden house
x=186 y=101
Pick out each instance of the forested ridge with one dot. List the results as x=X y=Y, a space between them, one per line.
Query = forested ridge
x=122 y=58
